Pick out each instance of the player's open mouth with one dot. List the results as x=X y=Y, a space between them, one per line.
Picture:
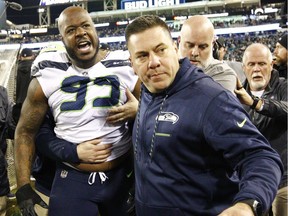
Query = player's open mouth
x=85 y=45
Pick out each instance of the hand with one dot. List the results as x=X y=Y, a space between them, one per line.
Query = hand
x=92 y=151
x=242 y=94
x=27 y=198
x=125 y=112
x=239 y=209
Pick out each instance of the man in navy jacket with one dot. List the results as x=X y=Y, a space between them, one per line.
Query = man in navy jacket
x=196 y=150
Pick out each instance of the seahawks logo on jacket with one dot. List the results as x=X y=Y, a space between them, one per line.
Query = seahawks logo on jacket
x=168 y=117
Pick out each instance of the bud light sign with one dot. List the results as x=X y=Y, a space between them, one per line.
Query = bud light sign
x=139 y=4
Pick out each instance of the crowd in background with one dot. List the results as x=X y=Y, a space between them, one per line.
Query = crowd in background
x=235 y=44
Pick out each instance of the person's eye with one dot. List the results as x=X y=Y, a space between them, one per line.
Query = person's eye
x=161 y=50
x=69 y=31
x=141 y=55
x=262 y=64
x=189 y=46
x=141 y=58
x=202 y=47
x=86 y=26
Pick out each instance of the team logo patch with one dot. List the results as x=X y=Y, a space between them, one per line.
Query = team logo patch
x=64 y=174
x=168 y=117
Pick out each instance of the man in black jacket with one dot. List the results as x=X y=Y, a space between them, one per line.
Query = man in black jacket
x=23 y=79
x=264 y=96
x=281 y=55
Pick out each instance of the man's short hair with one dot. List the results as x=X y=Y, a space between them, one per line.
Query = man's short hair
x=142 y=23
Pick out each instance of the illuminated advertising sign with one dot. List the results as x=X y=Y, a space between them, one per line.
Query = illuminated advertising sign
x=54 y=2
x=139 y=4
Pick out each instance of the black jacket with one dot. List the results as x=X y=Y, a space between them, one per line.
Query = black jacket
x=23 y=80
x=272 y=119
x=282 y=69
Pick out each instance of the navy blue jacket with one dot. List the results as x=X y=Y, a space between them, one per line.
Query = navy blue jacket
x=206 y=154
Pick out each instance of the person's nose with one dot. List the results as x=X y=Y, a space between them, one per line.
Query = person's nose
x=80 y=31
x=154 y=61
x=194 y=51
x=256 y=67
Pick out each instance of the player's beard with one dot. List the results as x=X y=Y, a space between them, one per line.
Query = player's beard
x=72 y=54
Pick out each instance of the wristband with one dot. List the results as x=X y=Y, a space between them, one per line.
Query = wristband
x=255 y=101
x=255 y=206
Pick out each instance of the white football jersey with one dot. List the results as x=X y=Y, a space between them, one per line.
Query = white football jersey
x=79 y=98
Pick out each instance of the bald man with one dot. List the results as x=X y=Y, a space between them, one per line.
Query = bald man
x=196 y=42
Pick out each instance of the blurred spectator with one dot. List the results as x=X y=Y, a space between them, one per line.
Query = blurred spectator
x=104 y=50
x=104 y=46
x=281 y=55
x=23 y=79
x=219 y=51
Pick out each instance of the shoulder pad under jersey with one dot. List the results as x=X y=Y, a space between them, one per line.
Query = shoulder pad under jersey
x=57 y=59
x=117 y=58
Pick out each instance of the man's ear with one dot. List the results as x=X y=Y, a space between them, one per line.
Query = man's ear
x=243 y=68
x=272 y=64
x=131 y=62
x=178 y=40
x=175 y=44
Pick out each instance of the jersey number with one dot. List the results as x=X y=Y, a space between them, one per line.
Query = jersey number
x=78 y=85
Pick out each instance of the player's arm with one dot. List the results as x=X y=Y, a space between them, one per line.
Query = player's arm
x=49 y=145
x=32 y=114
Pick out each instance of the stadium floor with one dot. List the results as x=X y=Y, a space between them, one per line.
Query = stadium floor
x=12 y=209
